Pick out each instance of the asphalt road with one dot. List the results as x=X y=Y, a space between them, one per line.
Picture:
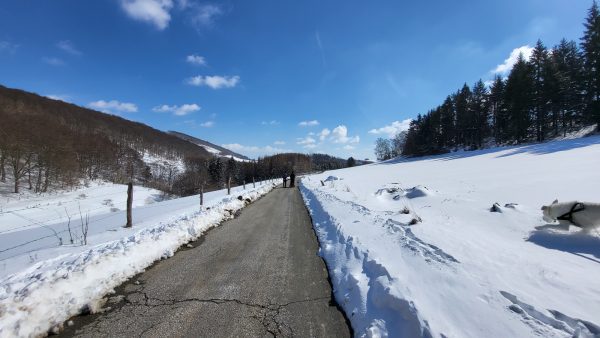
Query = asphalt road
x=257 y=275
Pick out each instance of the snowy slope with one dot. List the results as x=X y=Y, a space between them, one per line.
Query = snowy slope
x=48 y=282
x=211 y=147
x=463 y=271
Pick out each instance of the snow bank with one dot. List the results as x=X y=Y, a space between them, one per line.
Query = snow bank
x=46 y=294
x=460 y=270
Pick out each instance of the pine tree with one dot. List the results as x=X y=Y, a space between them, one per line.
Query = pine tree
x=480 y=111
x=447 y=123
x=463 y=115
x=498 y=110
x=540 y=64
x=568 y=65
x=518 y=97
x=590 y=44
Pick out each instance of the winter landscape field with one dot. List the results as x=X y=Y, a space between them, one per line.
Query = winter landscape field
x=383 y=169
x=45 y=279
x=414 y=251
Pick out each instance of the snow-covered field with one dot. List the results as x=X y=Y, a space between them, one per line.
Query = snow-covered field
x=43 y=283
x=461 y=270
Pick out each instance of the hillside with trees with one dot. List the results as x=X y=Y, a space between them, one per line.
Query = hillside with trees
x=47 y=144
x=554 y=92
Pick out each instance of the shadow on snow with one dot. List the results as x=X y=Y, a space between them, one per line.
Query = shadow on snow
x=534 y=149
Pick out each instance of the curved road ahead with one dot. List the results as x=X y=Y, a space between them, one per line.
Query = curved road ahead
x=257 y=275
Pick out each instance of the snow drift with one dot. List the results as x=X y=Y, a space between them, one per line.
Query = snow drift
x=44 y=295
x=460 y=270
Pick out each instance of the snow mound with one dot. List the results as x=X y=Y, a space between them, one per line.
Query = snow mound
x=42 y=297
x=331 y=179
x=527 y=278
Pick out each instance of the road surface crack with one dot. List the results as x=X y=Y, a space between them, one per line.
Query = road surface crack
x=269 y=315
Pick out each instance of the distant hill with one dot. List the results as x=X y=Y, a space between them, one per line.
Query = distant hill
x=210 y=147
x=45 y=142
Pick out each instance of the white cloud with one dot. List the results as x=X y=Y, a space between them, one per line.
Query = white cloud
x=324 y=133
x=270 y=123
x=311 y=123
x=348 y=147
x=214 y=82
x=340 y=135
x=205 y=15
x=279 y=143
x=508 y=64
x=392 y=129
x=306 y=140
x=255 y=150
x=182 y=110
x=53 y=61
x=113 y=106
x=196 y=60
x=155 y=12
x=207 y=124
x=68 y=47
x=310 y=146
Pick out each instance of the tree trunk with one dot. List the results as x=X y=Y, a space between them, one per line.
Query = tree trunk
x=253 y=183
x=129 y=204
x=228 y=185
x=201 y=196
x=38 y=181
x=29 y=176
x=2 y=170
x=46 y=180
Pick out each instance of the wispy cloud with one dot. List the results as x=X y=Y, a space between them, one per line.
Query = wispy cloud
x=254 y=150
x=392 y=129
x=279 y=143
x=196 y=60
x=320 y=46
x=182 y=110
x=270 y=123
x=205 y=124
x=505 y=67
x=311 y=123
x=113 y=106
x=304 y=141
x=156 y=12
x=324 y=133
x=205 y=15
x=52 y=61
x=8 y=47
x=68 y=47
x=214 y=82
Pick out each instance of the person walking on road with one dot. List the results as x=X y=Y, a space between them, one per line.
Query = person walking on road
x=293 y=179
x=284 y=180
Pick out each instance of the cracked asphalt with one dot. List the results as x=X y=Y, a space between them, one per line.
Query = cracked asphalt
x=257 y=275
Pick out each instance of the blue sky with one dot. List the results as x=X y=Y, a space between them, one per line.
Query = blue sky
x=269 y=76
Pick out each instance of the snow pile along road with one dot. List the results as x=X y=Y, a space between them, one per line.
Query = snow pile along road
x=414 y=250
x=43 y=296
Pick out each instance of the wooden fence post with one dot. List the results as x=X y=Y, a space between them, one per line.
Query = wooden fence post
x=244 y=184
x=253 y=182
x=228 y=185
x=201 y=196
x=129 y=204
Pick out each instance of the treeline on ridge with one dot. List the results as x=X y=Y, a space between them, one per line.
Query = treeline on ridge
x=555 y=92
